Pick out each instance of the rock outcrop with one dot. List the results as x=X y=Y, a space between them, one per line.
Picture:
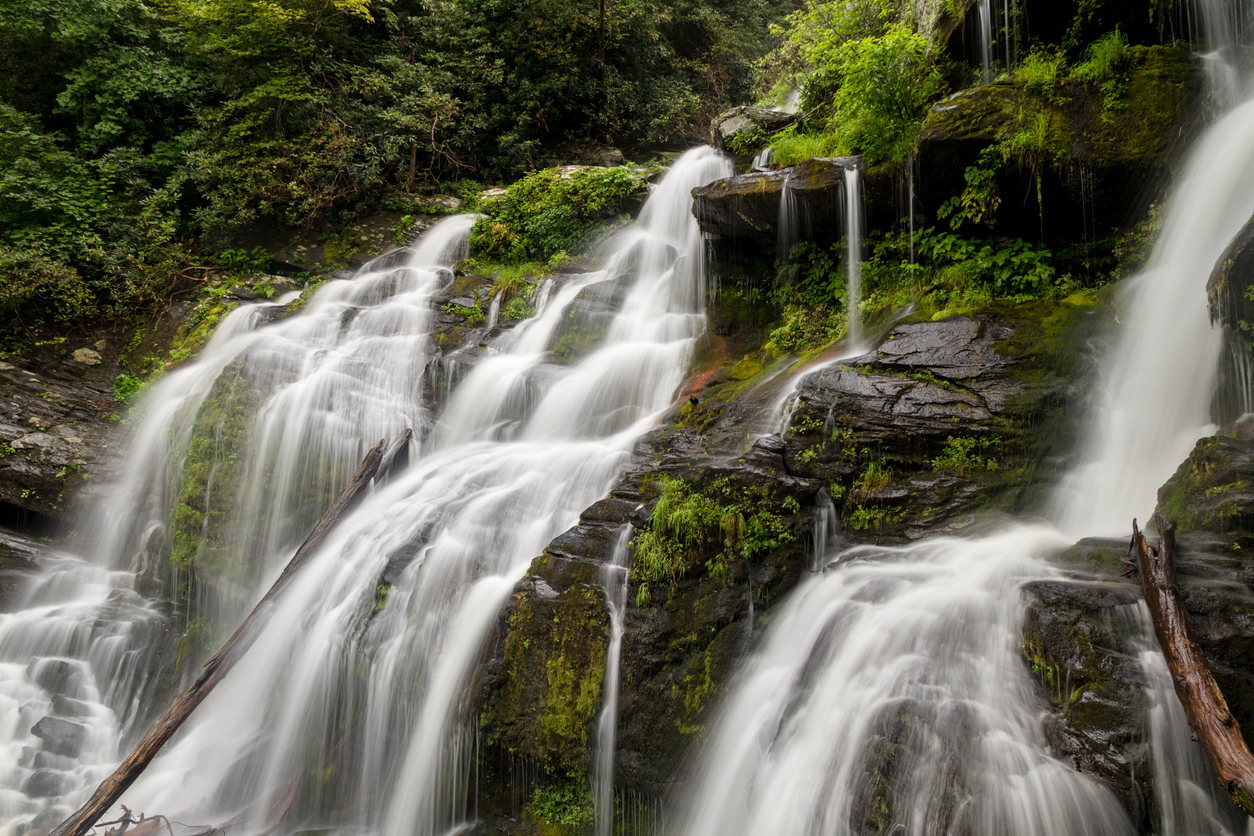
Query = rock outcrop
x=747 y=206
x=56 y=434
x=744 y=118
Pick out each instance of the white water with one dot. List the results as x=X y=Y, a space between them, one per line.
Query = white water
x=1156 y=388
x=985 y=11
x=853 y=255
x=901 y=666
x=614 y=578
x=356 y=693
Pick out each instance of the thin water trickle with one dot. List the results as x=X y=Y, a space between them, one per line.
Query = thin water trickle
x=614 y=578
x=853 y=254
x=985 y=13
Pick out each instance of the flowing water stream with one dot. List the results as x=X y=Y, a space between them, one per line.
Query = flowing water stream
x=361 y=677
x=889 y=694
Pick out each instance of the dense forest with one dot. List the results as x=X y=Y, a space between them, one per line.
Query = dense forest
x=138 y=137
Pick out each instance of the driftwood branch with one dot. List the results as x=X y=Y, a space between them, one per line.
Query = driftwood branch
x=1212 y=723
x=111 y=789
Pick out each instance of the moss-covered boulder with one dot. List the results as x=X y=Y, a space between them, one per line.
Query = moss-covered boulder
x=747 y=206
x=1211 y=498
x=942 y=418
x=540 y=690
x=1094 y=154
x=1079 y=639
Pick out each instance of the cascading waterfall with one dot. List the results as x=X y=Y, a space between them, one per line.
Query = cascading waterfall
x=891 y=688
x=360 y=679
x=889 y=694
x=351 y=362
x=853 y=254
x=1156 y=390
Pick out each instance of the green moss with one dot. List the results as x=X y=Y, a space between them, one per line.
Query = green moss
x=1156 y=102
x=556 y=210
x=211 y=474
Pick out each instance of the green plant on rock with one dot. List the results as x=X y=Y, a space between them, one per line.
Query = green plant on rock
x=551 y=212
x=515 y=309
x=959 y=454
x=567 y=803
x=980 y=197
x=720 y=524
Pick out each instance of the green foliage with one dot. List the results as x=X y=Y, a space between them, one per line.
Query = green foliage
x=792 y=147
x=959 y=454
x=127 y=388
x=551 y=211
x=1104 y=59
x=515 y=309
x=1042 y=72
x=980 y=198
x=721 y=524
x=867 y=78
x=568 y=803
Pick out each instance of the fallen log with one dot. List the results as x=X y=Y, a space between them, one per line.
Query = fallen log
x=1209 y=718
x=111 y=789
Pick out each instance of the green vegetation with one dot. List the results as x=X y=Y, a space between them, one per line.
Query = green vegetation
x=951 y=273
x=716 y=525
x=959 y=455
x=138 y=138
x=866 y=76
x=567 y=803
x=550 y=212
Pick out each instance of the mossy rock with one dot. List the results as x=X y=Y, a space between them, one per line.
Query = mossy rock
x=1078 y=641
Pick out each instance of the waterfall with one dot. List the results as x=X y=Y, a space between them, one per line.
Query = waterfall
x=786 y=233
x=361 y=677
x=985 y=10
x=1156 y=388
x=614 y=576
x=891 y=688
x=889 y=694
x=853 y=254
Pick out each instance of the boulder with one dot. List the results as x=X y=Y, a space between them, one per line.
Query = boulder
x=745 y=118
x=1082 y=639
x=65 y=677
x=1229 y=281
x=747 y=206
x=56 y=436
x=60 y=736
x=679 y=646
x=47 y=783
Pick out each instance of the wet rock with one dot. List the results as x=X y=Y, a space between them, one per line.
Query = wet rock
x=1211 y=498
x=1080 y=640
x=747 y=206
x=47 y=784
x=58 y=676
x=19 y=560
x=1229 y=281
x=744 y=118
x=60 y=736
x=1121 y=153
x=64 y=706
x=46 y=821
x=879 y=426
x=56 y=437
x=679 y=647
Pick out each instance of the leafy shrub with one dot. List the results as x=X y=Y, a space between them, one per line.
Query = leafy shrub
x=1104 y=58
x=959 y=455
x=1042 y=72
x=551 y=211
x=567 y=804
x=721 y=524
x=31 y=283
x=515 y=309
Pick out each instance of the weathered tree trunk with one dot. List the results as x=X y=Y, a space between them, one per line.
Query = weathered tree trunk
x=1212 y=723
x=111 y=789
